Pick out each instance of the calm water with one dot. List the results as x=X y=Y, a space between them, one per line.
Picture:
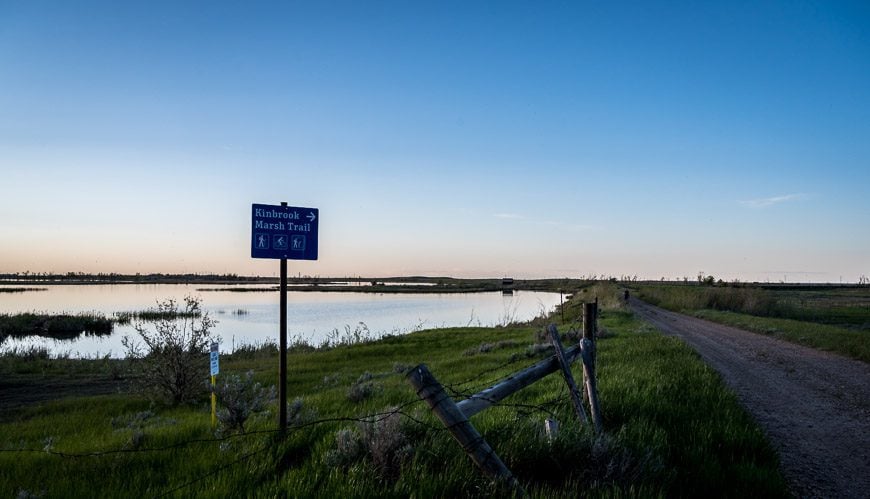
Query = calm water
x=311 y=315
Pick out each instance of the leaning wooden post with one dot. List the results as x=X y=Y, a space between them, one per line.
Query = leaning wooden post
x=429 y=389
x=566 y=373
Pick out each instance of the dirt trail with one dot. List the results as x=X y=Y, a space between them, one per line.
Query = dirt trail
x=814 y=406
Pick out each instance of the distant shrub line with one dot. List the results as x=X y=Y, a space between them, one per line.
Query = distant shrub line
x=746 y=300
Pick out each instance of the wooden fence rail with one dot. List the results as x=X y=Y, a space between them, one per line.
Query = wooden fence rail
x=455 y=416
x=514 y=383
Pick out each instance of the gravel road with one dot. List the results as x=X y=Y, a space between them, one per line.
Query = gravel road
x=814 y=406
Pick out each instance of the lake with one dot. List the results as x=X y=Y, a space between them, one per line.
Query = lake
x=252 y=317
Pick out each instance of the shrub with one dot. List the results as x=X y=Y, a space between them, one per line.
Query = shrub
x=240 y=397
x=297 y=414
x=382 y=440
x=348 y=449
x=362 y=388
x=386 y=444
x=401 y=368
x=489 y=347
x=171 y=361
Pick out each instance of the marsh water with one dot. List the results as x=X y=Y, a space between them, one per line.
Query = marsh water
x=252 y=317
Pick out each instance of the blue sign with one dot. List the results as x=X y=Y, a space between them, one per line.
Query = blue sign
x=284 y=232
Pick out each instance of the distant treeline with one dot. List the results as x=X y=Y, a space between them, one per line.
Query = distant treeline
x=425 y=284
x=112 y=278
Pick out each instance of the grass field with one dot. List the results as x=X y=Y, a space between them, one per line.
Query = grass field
x=671 y=427
x=836 y=319
x=849 y=342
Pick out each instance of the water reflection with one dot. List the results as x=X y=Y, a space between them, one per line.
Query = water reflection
x=245 y=318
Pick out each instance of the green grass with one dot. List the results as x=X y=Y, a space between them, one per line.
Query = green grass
x=850 y=342
x=827 y=318
x=848 y=306
x=671 y=428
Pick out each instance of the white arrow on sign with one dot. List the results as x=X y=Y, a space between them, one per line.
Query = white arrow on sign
x=311 y=216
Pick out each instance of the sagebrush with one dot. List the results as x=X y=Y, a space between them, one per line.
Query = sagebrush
x=170 y=358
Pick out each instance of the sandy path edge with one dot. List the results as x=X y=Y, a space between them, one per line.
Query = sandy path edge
x=814 y=406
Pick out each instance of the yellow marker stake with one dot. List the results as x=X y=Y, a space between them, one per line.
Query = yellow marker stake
x=213 y=406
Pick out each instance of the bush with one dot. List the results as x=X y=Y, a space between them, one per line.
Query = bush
x=386 y=444
x=240 y=397
x=171 y=361
x=298 y=414
x=362 y=388
x=382 y=440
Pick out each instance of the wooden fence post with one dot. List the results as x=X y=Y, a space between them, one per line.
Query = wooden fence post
x=588 y=332
x=429 y=389
x=590 y=317
x=566 y=373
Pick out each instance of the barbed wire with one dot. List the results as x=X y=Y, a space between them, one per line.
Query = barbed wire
x=456 y=390
x=368 y=419
x=523 y=409
x=454 y=387
x=215 y=471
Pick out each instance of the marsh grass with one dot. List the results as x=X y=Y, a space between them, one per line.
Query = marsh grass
x=154 y=315
x=66 y=326
x=671 y=428
x=57 y=326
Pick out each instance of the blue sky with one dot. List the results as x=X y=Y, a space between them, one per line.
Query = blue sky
x=466 y=138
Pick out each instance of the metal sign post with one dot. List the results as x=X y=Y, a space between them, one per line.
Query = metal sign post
x=283 y=232
x=282 y=355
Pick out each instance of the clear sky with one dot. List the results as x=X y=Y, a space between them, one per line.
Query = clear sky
x=531 y=139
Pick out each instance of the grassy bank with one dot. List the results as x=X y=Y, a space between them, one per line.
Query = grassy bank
x=671 y=428
x=827 y=318
x=846 y=306
x=848 y=342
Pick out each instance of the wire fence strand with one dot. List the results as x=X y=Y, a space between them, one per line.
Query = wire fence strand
x=457 y=389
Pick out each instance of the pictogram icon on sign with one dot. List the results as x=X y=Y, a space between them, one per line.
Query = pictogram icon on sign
x=262 y=241
x=279 y=242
